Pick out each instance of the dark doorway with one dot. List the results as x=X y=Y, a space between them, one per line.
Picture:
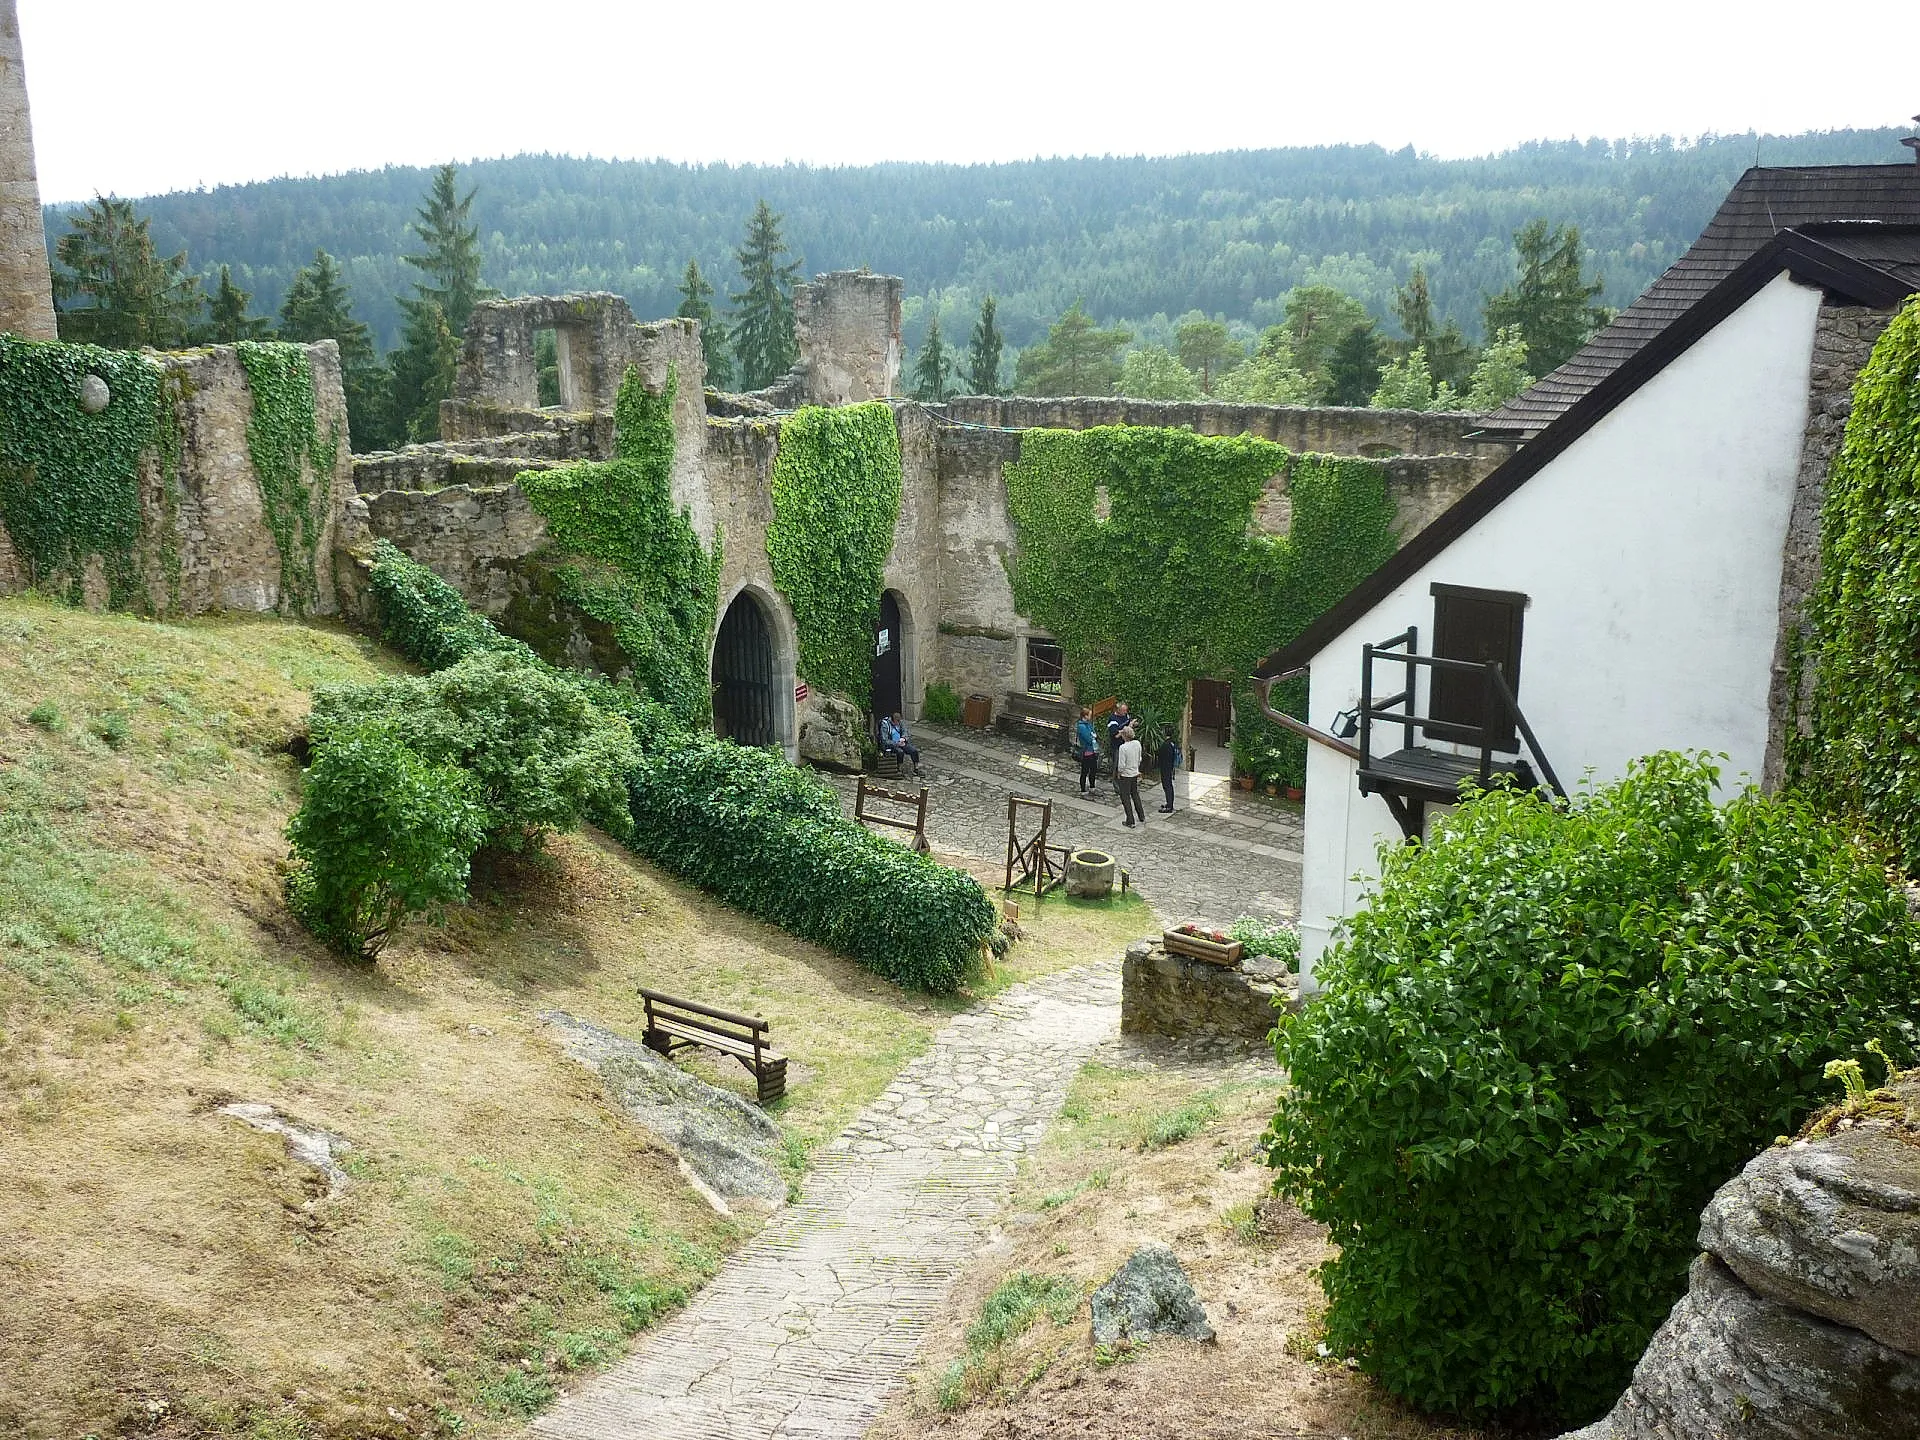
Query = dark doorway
x=1213 y=709
x=1482 y=626
x=888 y=641
x=743 y=675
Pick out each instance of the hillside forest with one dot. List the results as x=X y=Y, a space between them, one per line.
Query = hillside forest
x=1337 y=274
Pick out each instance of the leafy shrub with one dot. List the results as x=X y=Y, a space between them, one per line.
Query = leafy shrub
x=942 y=704
x=425 y=618
x=381 y=834
x=1548 y=1037
x=770 y=838
x=541 y=754
x=47 y=716
x=1272 y=938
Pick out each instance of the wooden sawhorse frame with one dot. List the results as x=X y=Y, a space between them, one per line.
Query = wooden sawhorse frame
x=1034 y=858
x=918 y=802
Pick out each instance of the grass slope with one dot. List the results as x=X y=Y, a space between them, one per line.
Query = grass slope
x=171 y=1272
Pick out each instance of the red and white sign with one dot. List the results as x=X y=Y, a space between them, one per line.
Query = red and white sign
x=800 y=692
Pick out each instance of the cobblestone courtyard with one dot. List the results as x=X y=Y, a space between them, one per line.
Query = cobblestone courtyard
x=1223 y=853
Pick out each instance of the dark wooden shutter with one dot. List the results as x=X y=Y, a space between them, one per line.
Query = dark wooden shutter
x=1478 y=625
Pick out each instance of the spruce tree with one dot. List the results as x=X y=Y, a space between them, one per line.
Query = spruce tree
x=762 y=328
x=696 y=303
x=451 y=264
x=1353 y=366
x=1551 y=302
x=1076 y=358
x=317 y=307
x=111 y=288
x=420 y=372
x=983 y=360
x=930 y=371
x=1413 y=307
x=227 y=317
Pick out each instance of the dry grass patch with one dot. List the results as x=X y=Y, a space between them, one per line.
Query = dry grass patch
x=1146 y=1154
x=171 y=1272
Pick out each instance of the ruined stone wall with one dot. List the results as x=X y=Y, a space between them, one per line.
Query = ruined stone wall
x=593 y=333
x=26 y=291
x=847 y=325
x=469 y=425
x=212 y=521
x=977 y=650
x=1843 y=339
x=431 y=467
x=739 y=479
x=913 y=568
x=1322 y=430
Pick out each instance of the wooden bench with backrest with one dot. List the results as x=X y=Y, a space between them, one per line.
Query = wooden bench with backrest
x=673 y=1023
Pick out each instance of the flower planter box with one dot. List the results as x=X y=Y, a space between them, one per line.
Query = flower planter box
x=1201 y=947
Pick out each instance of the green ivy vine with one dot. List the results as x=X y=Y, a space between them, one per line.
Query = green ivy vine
x=1863 y=755
x=1175 y=583
x=635 y=562
x=70 y=481
x=836 y=498
x=291 y=463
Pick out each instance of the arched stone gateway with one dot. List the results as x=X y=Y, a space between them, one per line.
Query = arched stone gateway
x=889 y=651
x=753 y=696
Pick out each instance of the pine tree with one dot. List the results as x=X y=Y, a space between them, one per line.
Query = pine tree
x=762 y=328
x=420 y=372
x=933 y=371
x=696 y=303
x=451 y=264
x=983 y=360
x=110 y=288
x=1353 y=366
x=1551 y=302
x=227 y=317
x=1413 y=307
x=1207 y=350
x=1076 y=358
x=317 y=307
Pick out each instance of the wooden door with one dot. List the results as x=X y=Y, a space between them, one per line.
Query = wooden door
x=1213 y=708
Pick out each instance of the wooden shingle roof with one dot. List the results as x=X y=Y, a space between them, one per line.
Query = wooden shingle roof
x=1763 y=202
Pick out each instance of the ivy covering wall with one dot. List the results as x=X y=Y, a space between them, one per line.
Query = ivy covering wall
x=1175 y=583
x=634 y=561
x=836 y=497
x=70 y=481
x=1863 y=756
x=293 y=465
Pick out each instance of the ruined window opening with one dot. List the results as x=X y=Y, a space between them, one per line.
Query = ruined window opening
x=1046 y=667
x=546 y=362
x=1102 y=503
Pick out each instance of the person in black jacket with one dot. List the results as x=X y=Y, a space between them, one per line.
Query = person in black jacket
x=1169 y=761
x=1119 y=720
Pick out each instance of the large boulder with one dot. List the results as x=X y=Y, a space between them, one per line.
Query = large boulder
x=1831 y=1225
x=1730 y=1362
x=727 y=1147
x=1148 y=1297
x=830 y=732
x=1802 y=1322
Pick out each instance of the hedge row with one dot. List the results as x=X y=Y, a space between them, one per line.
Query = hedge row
x=743 y=824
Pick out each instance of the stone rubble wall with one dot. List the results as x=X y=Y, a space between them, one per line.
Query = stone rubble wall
x=1179 y=997
x=1319 y=430
x=26 y=282
x=227 y=556
x=846 y=330
x=1802 y=1319
x=1843 y=339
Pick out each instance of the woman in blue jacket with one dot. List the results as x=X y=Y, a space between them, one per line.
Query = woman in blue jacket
x=1089 y=751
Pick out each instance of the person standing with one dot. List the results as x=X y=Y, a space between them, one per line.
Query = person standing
x=1089 y=751
x=1169 y=761
x=1126 y=777
x=1116 y=722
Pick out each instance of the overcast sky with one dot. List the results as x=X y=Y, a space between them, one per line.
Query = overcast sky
x=135 y=97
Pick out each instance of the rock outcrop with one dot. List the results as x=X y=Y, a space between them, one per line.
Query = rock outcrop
x=1802 y=1320
x=830 y=730
x=727 y=1147
x=1147 y=1298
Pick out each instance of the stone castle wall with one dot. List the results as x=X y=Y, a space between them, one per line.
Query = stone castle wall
x=26 y=290
x=212 y=522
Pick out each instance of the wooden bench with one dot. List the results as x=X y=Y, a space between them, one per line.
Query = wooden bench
x=673 y=1023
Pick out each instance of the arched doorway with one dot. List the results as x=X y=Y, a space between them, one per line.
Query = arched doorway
x=889 y=646
x=744 y=700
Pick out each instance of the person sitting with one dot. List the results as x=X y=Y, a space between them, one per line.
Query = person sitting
x=894 y=739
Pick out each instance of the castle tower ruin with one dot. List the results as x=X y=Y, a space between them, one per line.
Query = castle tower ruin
x=26 y=285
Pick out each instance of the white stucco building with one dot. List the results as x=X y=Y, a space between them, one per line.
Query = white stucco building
x=1621 y=584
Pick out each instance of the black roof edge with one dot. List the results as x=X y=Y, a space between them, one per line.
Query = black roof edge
x=1802 y=256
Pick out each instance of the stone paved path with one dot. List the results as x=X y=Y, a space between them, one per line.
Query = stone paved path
x=1222 y=854
x=805 y=1330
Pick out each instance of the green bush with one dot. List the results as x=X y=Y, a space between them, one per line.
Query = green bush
x=942 y=704
x=381 y=834
x=540 y=754
x=1545 y=1041
x=1272 y=938
x=770 y=838
x=425 y=618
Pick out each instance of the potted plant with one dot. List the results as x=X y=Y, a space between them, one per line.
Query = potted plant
x=1243 y=781
x=1296 y=793
x=1200 y=942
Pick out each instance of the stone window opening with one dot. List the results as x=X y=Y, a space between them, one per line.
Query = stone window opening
x=546 y=365
x=1046 y=667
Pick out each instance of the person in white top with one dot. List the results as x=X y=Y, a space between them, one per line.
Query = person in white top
x=1126 y=777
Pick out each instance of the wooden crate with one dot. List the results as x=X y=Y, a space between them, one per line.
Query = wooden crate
x=1198 y=947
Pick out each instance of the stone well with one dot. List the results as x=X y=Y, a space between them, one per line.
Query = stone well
x=1179 y=996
